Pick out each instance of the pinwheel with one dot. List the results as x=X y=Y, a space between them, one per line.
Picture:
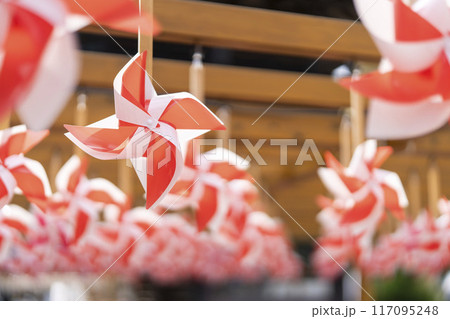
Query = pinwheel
x=336 y=250
x=410 y=91
x=203 y=186
x=168 y=250
x=444 y=208
x=16 y=227
x=420 y=248
x=265 y=251
x=38 y=52
x=107 y=243
x=149 y=129
x=81 y=200
x=18 y=171
x=215 y=260
x=362 y=192
x=11 y=226
x=385 y=259
x=245 y=196
x=5 y=242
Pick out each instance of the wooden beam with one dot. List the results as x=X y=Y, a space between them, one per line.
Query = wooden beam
x=236 y=27
x=223 y=82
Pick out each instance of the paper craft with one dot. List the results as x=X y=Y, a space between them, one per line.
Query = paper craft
x=362 y=192
x=265 y=250
x=39 y=62
x=147 y=128
x=419 y=247
x=410 y=92
x=15 y=223
x=17 y=171
x=337 y=248
x=204 y=186
x=81 y=200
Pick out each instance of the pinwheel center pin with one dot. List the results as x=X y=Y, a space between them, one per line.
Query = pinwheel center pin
x=151 y=123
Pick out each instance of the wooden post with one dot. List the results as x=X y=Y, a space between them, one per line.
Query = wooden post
x=357 y=108
x=80 y=118
x=145 y=42
x=197 y=76
x=55 y=165
x=434 y=187
x=5 y=122
x=357 y=115
x=345 y=139
x=413 y=184
x=414 y=193
x=224 y=114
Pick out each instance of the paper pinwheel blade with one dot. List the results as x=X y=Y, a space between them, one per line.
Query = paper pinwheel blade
x=147 y=128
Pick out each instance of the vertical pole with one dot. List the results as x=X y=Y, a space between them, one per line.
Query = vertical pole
x=414 y=193
x=55 y=165
x=224 y=114
x=80 y=118
x=5 y=122
x=357 y=115
x=345 y=139
x=434 y=187
x=197 y=86
x=145 y=42
x=357 y=108
x=197 y=76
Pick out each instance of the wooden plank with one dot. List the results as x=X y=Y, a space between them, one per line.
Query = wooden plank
x=236 y=27
x=223 y=82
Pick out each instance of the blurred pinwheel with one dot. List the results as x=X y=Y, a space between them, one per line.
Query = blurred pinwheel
x=169 y=252
x=81 y=200
x=420 y=247
x=264 y=250
x=18 y=172
x=16 y=226
x=362 y=192
x=410 y=92
x=147 y=128
x=39 y=62
x=204 y=186
x=337 y=250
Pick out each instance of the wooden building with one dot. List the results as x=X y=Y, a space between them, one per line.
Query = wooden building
x=252 y=56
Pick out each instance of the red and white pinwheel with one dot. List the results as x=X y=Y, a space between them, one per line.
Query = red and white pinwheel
x=410 y=92
x=147 y=128
x=17 y=171
x=362 y=192
x=81 y=200
x=168 y=250
x=5 y=242
x=337 y=250
x=242 y=198
x=38 y=52
x=420 y=248
x=16 y=224
x=444 y=208
x=265 y=251
x=203 y=185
